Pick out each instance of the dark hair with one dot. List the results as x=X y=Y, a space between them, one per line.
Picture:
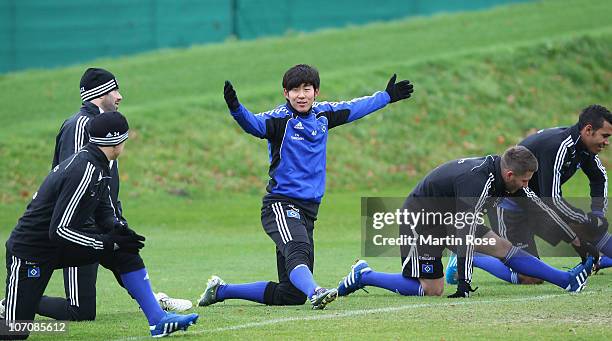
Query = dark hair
x=594 y=115
x=301 y=74
x=519 y=160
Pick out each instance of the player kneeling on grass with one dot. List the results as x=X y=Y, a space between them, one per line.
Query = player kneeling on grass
x=50 y=236
x=472 y=185
x=297 y=139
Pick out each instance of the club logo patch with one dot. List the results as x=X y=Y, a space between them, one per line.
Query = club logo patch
x=33 y=272
x=427 y=268
x=293 y=214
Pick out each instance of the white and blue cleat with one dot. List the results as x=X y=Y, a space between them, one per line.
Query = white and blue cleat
x=352 y=281
x=172 y=323
x=451 y=269
x=579 y=275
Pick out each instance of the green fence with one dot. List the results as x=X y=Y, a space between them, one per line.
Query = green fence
x=48 y=33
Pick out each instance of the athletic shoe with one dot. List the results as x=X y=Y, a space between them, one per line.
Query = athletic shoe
x=451 y=269
x=172 y=304
x=2 y=309
x=209 y=296
x=171 y=323
x=352 y=281
x=322 y=297
x=579 y=275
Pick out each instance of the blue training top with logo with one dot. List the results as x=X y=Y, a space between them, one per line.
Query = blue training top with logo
x=297 y=142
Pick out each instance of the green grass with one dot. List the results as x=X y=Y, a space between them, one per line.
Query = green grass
x=224 y=237
x=483 y=81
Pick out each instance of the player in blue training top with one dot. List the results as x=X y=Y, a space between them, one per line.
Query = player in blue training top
x=297 y=139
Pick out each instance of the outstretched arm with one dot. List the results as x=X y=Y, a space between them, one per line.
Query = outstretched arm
x=252 y=124
x=339 y=113
x=549 y=179
x=598 y=181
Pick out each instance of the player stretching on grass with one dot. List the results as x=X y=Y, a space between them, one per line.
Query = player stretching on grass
x=560 y=152
x=297 y=139
x=53 y=234
x=99 y=93
x=472 y=185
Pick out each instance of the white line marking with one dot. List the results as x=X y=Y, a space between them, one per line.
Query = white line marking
x=359 y=312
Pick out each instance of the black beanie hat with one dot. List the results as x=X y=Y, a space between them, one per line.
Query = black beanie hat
x=108 y=129
x=97 y=83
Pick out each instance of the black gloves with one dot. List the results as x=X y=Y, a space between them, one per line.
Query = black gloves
x=587 y=249
x=124 y=229
x=597 y=223
x=230 y=97
x=125 y=239
x=397 y=91
x=463 y=290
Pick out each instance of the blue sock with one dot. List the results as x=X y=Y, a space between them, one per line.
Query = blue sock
x=495 y=267
x=393 y=282
x=248 y=291
x=605 y=244
x=526 y=264
x=138 y=285
x=605 y=262
x=301 y=278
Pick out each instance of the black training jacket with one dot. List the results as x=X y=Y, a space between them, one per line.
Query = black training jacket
x=73 y=135
x=74 y=191
x=560 y=154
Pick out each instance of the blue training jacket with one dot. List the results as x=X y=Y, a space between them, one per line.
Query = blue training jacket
x=297 y=142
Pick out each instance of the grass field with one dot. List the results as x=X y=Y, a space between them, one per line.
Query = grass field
x=224 y=237
x=192 y=181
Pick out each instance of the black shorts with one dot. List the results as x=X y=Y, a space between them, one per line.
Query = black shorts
x=287 y=224
x=27 y=279
x=423 y=259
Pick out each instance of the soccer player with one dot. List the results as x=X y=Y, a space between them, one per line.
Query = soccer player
x=53 y=232
x=560 y=153
x=99 y=90
x=472 y=185
x=297 y=139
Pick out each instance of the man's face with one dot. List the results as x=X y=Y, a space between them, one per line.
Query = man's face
x=110 y=101
x=515 y=182
x=302 y=97
x=596 y=140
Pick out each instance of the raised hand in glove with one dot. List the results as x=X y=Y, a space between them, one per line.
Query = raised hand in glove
x=400 y=90
x=230 y=97
x=586 y=249
x=463 y=290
